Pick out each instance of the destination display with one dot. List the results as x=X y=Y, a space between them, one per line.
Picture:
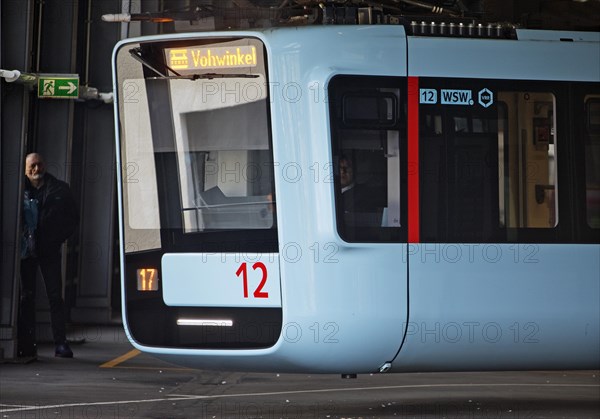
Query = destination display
x=211 y=58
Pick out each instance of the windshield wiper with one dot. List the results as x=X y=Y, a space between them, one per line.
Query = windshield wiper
x=136 y=53
x=208 y=76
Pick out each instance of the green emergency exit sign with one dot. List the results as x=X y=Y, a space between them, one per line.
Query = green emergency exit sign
x=58 y=87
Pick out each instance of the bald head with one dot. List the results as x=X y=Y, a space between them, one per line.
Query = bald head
x=35 y=169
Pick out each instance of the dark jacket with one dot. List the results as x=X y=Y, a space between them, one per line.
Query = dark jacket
x=58 y=214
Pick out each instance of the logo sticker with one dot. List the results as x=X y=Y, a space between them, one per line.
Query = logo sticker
x=428 y=96
x=456 y=97
x=463 y=97
x=486 y=98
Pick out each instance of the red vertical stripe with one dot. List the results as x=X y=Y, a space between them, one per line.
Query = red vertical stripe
x=413 y=160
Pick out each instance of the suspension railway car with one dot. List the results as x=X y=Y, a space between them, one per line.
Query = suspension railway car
x=357 y=199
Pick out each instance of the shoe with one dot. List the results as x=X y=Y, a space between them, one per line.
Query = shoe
x=63 y=351
x=27 y=351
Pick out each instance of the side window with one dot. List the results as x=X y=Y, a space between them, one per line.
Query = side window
x=527 y=160
x=459 y=161
x=367 y=130
x=487 y=163
x=592 y=159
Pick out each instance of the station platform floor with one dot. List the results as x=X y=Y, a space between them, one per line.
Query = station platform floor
x=108 y=378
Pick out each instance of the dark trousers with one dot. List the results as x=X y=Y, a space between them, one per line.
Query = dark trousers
x=50 y=267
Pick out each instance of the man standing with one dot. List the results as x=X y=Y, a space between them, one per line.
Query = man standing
x=50 y=217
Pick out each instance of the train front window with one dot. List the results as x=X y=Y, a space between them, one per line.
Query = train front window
x=196 y=142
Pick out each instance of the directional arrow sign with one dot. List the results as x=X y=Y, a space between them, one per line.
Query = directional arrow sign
x=58 y=87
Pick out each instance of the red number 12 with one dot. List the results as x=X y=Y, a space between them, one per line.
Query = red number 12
x=258 y=292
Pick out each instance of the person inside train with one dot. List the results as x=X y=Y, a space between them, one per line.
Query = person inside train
x=361 y=202
x=354 y=196
x=347 y=180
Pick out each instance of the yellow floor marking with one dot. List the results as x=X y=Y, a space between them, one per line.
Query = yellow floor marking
x=155 y=368
x=122 y=358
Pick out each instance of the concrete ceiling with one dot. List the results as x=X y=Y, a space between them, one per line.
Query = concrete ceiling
x=534 y=14
x=547 y=14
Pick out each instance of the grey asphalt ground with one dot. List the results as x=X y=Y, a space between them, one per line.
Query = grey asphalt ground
x=109 y=379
